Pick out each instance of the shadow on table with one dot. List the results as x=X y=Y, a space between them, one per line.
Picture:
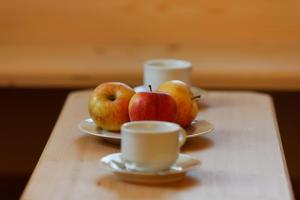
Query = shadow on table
x=197 y=144
x=93 y=147
x=186 y=182
x=136 y=191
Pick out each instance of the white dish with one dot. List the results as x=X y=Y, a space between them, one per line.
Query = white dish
x=176 y=172
x=197 y=128
x=195 y=90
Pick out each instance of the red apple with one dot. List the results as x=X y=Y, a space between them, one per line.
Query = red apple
x=157 y=106
x=108 y=105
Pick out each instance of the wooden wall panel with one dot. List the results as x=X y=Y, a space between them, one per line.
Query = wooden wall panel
x=156 y=21
x=246 y=44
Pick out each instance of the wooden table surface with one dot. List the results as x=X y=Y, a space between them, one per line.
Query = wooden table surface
x=241 y=159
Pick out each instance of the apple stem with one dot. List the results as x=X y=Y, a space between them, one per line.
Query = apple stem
x=150 y=87
x=196 y=97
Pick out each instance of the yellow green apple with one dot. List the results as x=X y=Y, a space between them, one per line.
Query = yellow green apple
x=108 y=105
x=187 y=108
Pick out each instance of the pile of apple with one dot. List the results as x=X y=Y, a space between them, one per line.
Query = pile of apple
x=113 y=103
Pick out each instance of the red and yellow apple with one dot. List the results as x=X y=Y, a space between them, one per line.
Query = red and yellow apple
x=187 y=108
x=108 y=105
x=157 y=106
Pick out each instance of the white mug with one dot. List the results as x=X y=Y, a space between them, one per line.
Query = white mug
x=151 y=145
x=158 y=71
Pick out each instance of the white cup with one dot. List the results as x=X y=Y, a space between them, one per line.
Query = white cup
x=151 y=145
x=158 y=71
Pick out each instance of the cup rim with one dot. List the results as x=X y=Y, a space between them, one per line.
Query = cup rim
x=124 y=127
x=181 y=64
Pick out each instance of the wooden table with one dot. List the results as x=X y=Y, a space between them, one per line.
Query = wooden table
x=242 y=159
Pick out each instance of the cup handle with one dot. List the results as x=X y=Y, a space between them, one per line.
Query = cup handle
x=182 y=137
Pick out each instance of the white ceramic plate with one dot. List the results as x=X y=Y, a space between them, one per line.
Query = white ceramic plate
x=197 y=128
x=195 y=90
x=176 y=172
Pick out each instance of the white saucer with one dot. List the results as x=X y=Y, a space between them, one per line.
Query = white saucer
x=175 y=173
x=195 y=90
x=198 y=127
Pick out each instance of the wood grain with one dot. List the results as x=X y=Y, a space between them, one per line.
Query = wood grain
x=158 y=21
x=241 y=159
x=258 y=67
x=234 y=44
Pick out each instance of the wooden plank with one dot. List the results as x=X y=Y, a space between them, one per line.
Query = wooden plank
x=231 y=22
x=258 y=67
x=241 y=159
x=244 y=44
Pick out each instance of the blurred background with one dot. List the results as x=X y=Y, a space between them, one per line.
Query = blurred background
x=49 y=48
